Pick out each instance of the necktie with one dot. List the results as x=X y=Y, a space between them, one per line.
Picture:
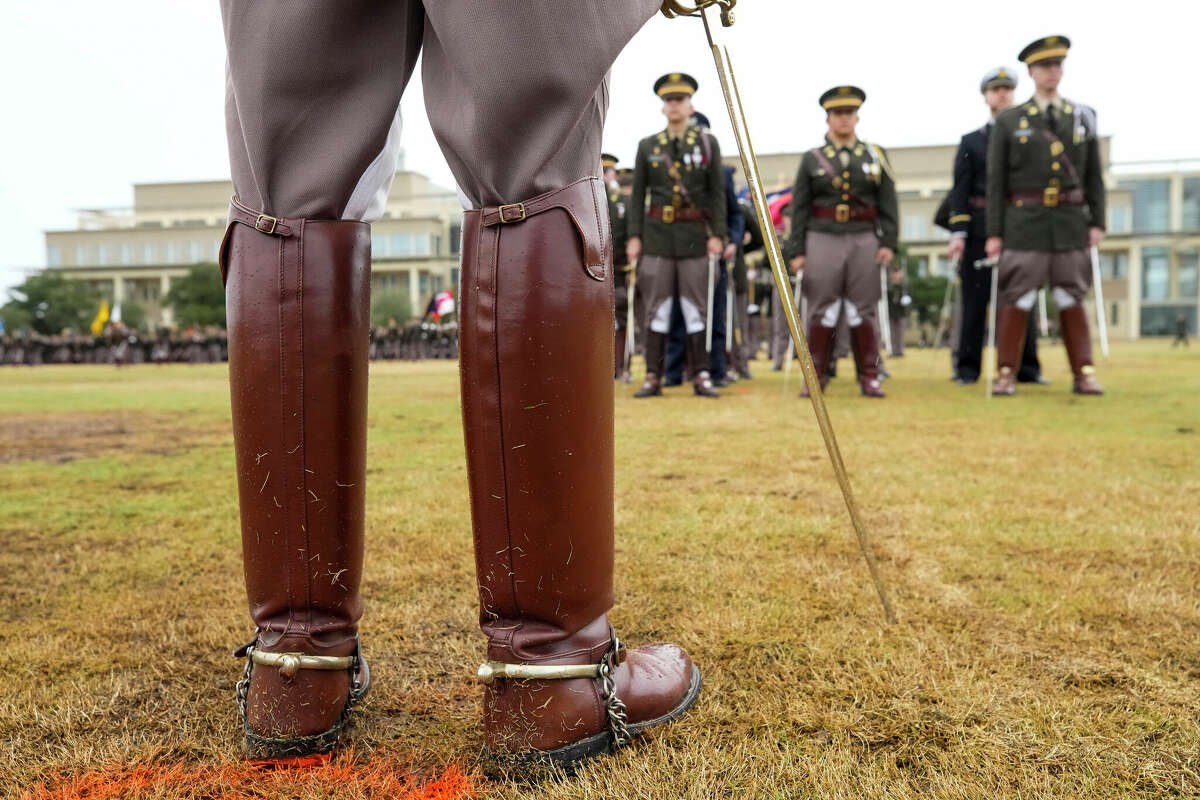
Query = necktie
x=1052 y=116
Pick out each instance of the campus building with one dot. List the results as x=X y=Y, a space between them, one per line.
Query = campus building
x=1150 y=258
x=133 y=254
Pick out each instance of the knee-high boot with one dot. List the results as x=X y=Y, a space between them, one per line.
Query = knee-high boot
x=298 y=297
x=538 y=419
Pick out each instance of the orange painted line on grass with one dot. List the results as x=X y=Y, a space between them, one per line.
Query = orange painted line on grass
x=246 y=780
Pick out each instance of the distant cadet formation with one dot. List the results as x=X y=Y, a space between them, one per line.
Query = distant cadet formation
x=1028 y=200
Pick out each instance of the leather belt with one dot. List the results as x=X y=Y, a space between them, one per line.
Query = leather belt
x=671 y=214
x=1051 y=197
x=845 y=213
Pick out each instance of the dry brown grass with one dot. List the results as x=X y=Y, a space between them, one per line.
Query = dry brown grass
x=1043 y=553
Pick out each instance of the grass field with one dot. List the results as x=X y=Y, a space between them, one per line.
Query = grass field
x=1043 y=553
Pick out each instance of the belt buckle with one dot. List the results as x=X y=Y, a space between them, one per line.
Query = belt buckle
x=505 y=219
x=258 y=224
x=668 y=214
x=1050 y=197
x=842 y=213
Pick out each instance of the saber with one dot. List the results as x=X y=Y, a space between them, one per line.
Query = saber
x=728 y=311
x=1043 y=318
x=947 y=301
x=885 y=315
x=1098 y=293
x=712 y=282
x=631 y=295
x=737 y=117
x=985 y=263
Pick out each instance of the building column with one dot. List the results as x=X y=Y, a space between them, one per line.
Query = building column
x=166 y=313
x=118 y=289
x=1135 y=291
x=1175 y=206
x=414 y=289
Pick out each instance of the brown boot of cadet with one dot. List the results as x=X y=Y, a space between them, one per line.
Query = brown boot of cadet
x=652 y=384
x=1078 y=341
x=820 y=341
x=1011 y=322
x=297 y=296
x=865 y=343
x=538 y=417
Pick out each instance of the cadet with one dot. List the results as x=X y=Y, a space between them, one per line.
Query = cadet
x=968 y=231
x=844 y=229
x=616 y=218
x=680 y=169
x=1045 y=208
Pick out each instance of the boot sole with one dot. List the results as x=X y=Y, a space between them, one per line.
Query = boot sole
x=264 y=747
x=569 y=757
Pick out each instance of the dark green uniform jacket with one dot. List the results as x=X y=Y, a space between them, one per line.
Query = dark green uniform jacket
x=617 y=218
x=696 y=157
x=864 y=182
x=1024 y=161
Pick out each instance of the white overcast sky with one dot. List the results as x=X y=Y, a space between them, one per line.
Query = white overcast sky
x=98 y=96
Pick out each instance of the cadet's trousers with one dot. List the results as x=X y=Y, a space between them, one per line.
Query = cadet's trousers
x=661 y=274
x=1023 y=272
x=841 y=275
x=516 y=92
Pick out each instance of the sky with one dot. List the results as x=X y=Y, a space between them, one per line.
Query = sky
x=101 y=95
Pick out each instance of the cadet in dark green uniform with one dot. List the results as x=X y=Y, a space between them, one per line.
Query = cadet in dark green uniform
x=679 y=171
x=616 y=218
x=1045 y=208
x=844 y=229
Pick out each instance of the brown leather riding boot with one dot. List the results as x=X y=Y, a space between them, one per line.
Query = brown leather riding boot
x=1078 y=341
x=865 y=343
x=652 y=385
x=702 y=385
x=1011 y=324
x=298 y=295
x=538 y=417
x=820 y=341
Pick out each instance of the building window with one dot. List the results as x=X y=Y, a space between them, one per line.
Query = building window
x=1191 y=204
x=174 y=254
x=1151 y=205
x=400 y=244
x=195 y=251
x=1163 y=320
x=378 y=246
x=455 y=239
x=454 y=279
x=1156 y=274
x=1118 y=219
x=80 y=258
x=915 y=227
x=53 y=256
x=104 y=255
x=1113 y=321
x=1189 y=273
x=1113 y=265
x=423 y=284
x=126 y=254
x=149 y=253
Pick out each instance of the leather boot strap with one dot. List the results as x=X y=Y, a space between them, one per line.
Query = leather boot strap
x=585 y=203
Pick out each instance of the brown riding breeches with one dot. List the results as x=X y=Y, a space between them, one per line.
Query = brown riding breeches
x=516 y=92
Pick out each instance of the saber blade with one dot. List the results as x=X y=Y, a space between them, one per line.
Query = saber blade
x=1098 y=292
x=737 y=117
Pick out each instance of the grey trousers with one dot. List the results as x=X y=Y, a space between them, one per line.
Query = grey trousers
x=516 y=92
x=661 y=275
x=1023 y=272
x=841 y=275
